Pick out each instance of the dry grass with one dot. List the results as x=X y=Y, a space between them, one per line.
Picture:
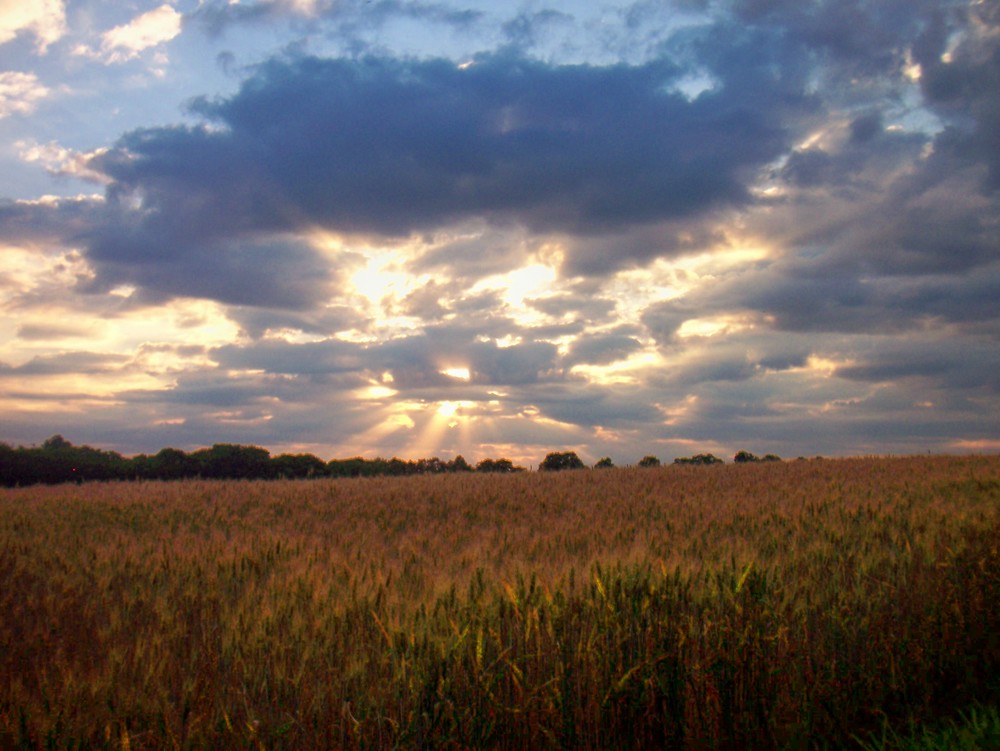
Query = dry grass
x=788 y=605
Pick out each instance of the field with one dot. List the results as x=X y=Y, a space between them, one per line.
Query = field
x=798 y=605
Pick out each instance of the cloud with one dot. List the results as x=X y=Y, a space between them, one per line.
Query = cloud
x=933 y=363
x=602 y=349
x=61 y=161
x=679 y=227
x=166 y=262
x=350 y=20
x=391 y=147
x=20 y=93
x=128 y=41
x=70 y=363
x=46 y=331
x=49 y=220
x=45 y=19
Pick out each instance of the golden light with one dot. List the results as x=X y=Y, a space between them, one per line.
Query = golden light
x=912 y=69
x=462 y=374
x=823 y=365
x=377 y=280
x=400 y=420
x=533 y=281
x=621 y=372
x=714 y=326
x=377 y=392
x=451 y=408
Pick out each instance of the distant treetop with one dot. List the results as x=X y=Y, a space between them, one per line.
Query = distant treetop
x=698 y=459
x=558 y=461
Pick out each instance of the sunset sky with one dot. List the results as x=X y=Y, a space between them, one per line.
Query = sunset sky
x=499 y=229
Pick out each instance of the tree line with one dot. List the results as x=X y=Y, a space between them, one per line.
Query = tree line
x=58 y=461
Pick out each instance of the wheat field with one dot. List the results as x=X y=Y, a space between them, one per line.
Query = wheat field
x=792 y=605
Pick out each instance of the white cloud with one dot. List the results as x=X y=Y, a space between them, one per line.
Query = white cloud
x=46 y=19
x=61 y=161
x=19 y=92
x=126 y=42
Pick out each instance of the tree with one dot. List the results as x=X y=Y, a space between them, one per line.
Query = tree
x=745 y=457
x=172 y=464
x=649 y=461
x=458 y=464
x=698 y=459
x=604 y=463
x=56 y=443
x=558 y=461
x=355 y=467
x=230 y=461
x=298 y=466
x=503 y=466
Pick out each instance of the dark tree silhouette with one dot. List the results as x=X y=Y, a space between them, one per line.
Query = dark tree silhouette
x=497 y=465
x=649 y=461
x=298 y=466
x=698 y=459
x=557 y=461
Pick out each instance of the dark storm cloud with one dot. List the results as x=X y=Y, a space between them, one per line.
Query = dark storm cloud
x=255 y=322
x=712 y=366
x=477 y=253
x=582 y=307
x=417 y=361
x=663 y=319
x=166 y=260
x=350 y=17
x=414 y=362
x=331 y=356
x=601 y=254
x=52 y=221
x=68 y=363
x=45 y=332
x=963 y=85
x=391 y=146
x=587 y=405
x=862 y=38
x=525 y=29
x=822 y=297
x=602 y=349
x=972 y=364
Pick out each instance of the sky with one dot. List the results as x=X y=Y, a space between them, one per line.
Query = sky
x=500 y=229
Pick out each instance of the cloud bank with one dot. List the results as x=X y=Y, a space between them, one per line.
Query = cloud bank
x=698 y=227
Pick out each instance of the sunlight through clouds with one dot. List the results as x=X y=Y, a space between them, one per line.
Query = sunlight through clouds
x=403 y=229
x=459 y=373
x=629 y=371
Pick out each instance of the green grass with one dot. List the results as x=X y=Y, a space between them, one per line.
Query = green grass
x=976 y=729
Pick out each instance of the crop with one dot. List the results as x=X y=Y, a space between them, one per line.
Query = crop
x=773 y=605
